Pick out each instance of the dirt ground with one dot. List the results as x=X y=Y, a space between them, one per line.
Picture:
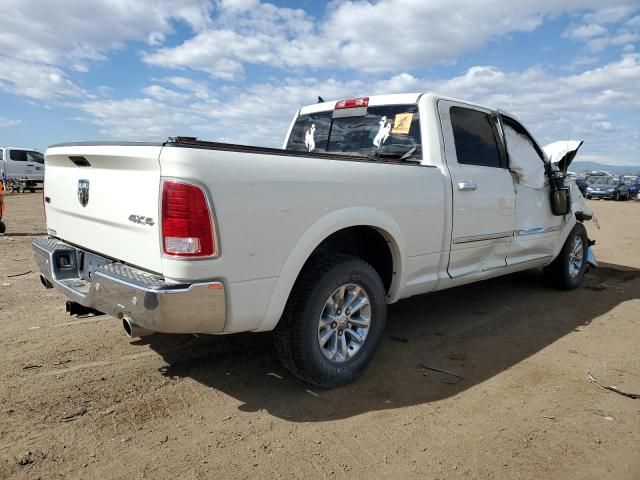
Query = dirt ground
x=80 y=400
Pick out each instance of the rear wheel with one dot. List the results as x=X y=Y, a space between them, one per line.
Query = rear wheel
x=567 y=270
x=3 y=227
x=617 y=197
x=333 y=322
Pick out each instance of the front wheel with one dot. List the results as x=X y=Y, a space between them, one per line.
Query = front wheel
x=3 y=227
x=333 y=322
x=568 y=269
x=617 y=197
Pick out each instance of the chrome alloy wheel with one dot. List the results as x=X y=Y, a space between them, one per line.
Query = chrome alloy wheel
x=576 y=256
x=344 y=323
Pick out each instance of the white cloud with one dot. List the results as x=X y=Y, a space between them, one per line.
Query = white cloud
x=245 y=32
x=36 y=81
x=60 y=31
x=137 y=118
x=239 y=4
x=611 y=13
x=582 y=32
x=7 y=122
x=600 y=44
x=164 y=94
x=373 y=37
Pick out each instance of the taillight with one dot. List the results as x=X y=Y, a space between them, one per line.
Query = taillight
x=188 y=228
x=352 y=103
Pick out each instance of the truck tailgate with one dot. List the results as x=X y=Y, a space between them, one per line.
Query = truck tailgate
x=105 y=198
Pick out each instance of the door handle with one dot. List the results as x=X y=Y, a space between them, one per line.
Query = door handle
x=467 y=186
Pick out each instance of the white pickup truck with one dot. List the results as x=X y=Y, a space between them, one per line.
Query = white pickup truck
x=369 y=201
x=21 y=168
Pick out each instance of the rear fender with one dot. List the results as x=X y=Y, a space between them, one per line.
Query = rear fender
x=315 y=235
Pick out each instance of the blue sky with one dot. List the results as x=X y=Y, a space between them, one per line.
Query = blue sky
x=236 y=70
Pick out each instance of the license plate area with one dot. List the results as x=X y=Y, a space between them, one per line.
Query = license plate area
x=89 y=263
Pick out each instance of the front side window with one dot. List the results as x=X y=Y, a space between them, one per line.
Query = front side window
x=388 y=129
x=525 y=160
x=18 y=155
x=35 y=157
x=474 y=137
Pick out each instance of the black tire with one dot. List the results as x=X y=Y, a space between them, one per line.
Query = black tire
x=3 y=227
x=617 y=197
x=296 y=336
x=558 y=272
x=587 y=197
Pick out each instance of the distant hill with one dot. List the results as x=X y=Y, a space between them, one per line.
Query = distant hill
x=580 y=167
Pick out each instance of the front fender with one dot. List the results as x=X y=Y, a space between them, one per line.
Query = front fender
x=315 y=235
x=579 y=206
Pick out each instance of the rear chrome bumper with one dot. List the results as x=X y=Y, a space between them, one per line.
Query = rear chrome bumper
x=123 y=291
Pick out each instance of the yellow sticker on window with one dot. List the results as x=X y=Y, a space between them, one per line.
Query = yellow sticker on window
x=402 y=123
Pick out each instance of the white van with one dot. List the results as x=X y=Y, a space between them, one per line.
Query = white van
x=22 y=166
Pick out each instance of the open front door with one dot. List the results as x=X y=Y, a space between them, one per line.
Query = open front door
x=483 y=192
x=537 y=228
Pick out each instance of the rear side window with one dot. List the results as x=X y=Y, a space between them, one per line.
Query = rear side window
x=18 y=155
x=310 y=133
x=474 y=138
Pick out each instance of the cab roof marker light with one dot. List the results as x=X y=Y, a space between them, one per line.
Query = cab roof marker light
x=352 y=103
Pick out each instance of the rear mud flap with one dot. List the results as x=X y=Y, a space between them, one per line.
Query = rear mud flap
x=591 y=258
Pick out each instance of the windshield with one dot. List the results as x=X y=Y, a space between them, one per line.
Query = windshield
x=391 y=130
x=592 y=179
x=606 y=181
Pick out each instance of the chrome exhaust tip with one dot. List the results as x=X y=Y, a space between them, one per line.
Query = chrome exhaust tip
x=133 y=330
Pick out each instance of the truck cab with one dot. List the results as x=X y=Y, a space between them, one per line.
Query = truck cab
x=21 y=167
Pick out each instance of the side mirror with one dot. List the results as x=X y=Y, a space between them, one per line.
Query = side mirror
x=560 y=201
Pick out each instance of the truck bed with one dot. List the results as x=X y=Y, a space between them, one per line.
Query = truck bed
x=272 y=207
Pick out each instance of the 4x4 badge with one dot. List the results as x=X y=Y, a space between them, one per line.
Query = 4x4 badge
x=141 y=220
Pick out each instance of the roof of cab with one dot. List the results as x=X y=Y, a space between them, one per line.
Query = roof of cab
x=21 y=148
x=392 y=99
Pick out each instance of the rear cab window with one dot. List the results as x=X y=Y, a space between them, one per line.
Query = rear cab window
x=387 y=130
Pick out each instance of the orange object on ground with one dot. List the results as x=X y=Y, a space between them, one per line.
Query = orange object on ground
x=1 y=199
